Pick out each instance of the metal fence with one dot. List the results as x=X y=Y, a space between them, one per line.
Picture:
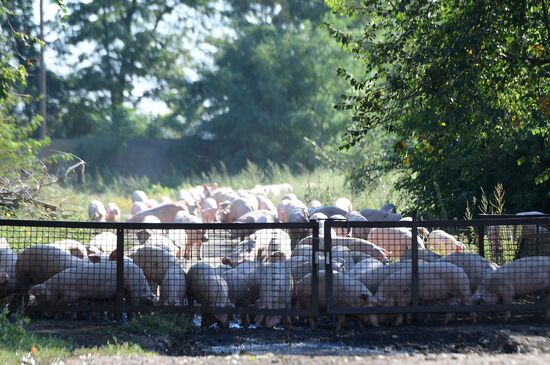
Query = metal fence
x=376 y=271
x=212 y=269
x=486 y=265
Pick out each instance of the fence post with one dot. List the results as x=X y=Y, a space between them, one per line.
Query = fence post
x=120 y=268
x=481 y=240
x=328 y=263
x=414 y=283
x=315 y=268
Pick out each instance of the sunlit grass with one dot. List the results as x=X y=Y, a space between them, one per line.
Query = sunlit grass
x=323 y=184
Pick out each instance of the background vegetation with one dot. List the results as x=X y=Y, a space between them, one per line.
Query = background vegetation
x=441 y=99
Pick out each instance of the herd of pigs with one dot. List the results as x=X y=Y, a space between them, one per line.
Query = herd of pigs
x=264 y=268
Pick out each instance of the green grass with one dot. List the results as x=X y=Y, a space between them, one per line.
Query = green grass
x=322 y=184
x=18 y=342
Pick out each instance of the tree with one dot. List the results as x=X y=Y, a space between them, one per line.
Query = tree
x=267 y=98
x=121 y=43
x=21 y=174
x=465 y=86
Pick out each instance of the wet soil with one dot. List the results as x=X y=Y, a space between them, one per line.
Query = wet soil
x=486 y=342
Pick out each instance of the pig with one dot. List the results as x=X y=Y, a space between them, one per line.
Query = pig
x=346 y=292
x=104 y=242
x=344 y=204
x=259 y=245
x=40 y=262
x=209 y=210
x=179 y=238
x=328 y=211
x=389 y=207
x=299 y=266
x=372 y=279
x=302 y=250
x=275 y=293
x=152 y=203
x=210 y=290
x=358 y=232
x=289 y=206
x=73 y=247
x=154 y=261
x=138 y=207
x=342 y=254
x=395 y=240
x=441 y=241
x=194 y=237
x=113 y=212
x=424 y=254
x=520 y=277
x=96 y=211
x=475 y=266
x=163 y=242
x=354 y=244
x=437 y=281
x=365 y=265
x=165 y=200
x=185 y=196
x=4 y=243
x=314 y=204
x=340 y=231
x=93 y=282
x=173 y=289
x=8 y=260
x=264 y=203
x=166 y=213
x=151 y=219
x=256 y=216
x=139 y=196
x=359 y=256
x=238 y=208
x=244 y=289
x=377 y=215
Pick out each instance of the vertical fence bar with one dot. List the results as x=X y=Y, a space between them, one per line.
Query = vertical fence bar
x=315 y=268
x=414 y=283
x=120 y=268
x=481 y=240
x=328 y=263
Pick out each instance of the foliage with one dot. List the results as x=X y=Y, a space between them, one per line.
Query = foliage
x=16 y=344
x=121 y=43
x=464 y=86
x=267 y=95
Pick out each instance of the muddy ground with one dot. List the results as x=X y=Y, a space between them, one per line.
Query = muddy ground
x=461 y=342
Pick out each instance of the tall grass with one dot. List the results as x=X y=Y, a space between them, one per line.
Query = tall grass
x=323 y=184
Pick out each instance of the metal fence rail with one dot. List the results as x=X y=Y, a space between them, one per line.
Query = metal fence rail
x=376 y=271
x=438 y=266
x=212 y=269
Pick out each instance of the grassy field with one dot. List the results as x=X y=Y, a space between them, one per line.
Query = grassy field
x=324 y=185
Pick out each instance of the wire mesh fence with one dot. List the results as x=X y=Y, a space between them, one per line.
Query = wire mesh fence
x=214 y=269
x=265 y=273
x=437 y=267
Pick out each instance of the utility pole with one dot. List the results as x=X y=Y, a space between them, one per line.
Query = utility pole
x=43 y=93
